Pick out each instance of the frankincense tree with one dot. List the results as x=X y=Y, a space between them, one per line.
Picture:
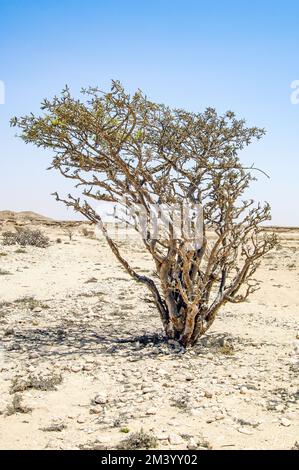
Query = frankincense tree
x=114 y=145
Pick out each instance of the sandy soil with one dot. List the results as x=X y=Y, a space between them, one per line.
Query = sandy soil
x=82 y=366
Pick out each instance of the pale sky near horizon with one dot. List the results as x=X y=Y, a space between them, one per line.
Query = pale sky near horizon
x=238 y=55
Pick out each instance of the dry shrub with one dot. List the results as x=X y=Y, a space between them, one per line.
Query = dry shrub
x=4 y=272
x=45 y=383
x=54 y=427
x=17 y=406
x=138 y=440
x=69 y=232
x=25 y=237
x=227 y=350
x=87 y=233
x=30 y=303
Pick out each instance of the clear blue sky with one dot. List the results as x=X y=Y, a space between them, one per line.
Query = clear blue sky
x=239 y=55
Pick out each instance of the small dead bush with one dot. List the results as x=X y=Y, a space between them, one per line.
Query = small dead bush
x=87 y=233
x=173 y=158
x=69 y=232
x=30 y=303
x=38 y=382
x=203 y=443
x=181 y=402
x=54 y=427
x=5 y=304
x=4 y=272
x=95 y=445
x=25 y=237
x=227 y=349
x=17 y=406
x=138 y=440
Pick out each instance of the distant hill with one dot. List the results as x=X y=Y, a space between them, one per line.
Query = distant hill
x=11 y=219
x=23 y=216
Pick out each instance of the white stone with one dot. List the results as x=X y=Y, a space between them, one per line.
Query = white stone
x=192 y=445
x=101 y=399
x=285 y=422
x=37 y=309
x=195 y=412
x=151 y=411
x=162 y=436
x=245 y=431
x=175 y=439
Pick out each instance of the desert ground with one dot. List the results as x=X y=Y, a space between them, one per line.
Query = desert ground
x=83 y=364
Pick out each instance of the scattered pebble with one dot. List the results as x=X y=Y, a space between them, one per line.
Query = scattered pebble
x=101 y=399
x=285 y=422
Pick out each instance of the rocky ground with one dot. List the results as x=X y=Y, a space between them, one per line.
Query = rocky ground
x=83 y=364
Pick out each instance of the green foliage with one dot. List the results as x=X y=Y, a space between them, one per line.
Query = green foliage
x=139 y=134
x=125 y=430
